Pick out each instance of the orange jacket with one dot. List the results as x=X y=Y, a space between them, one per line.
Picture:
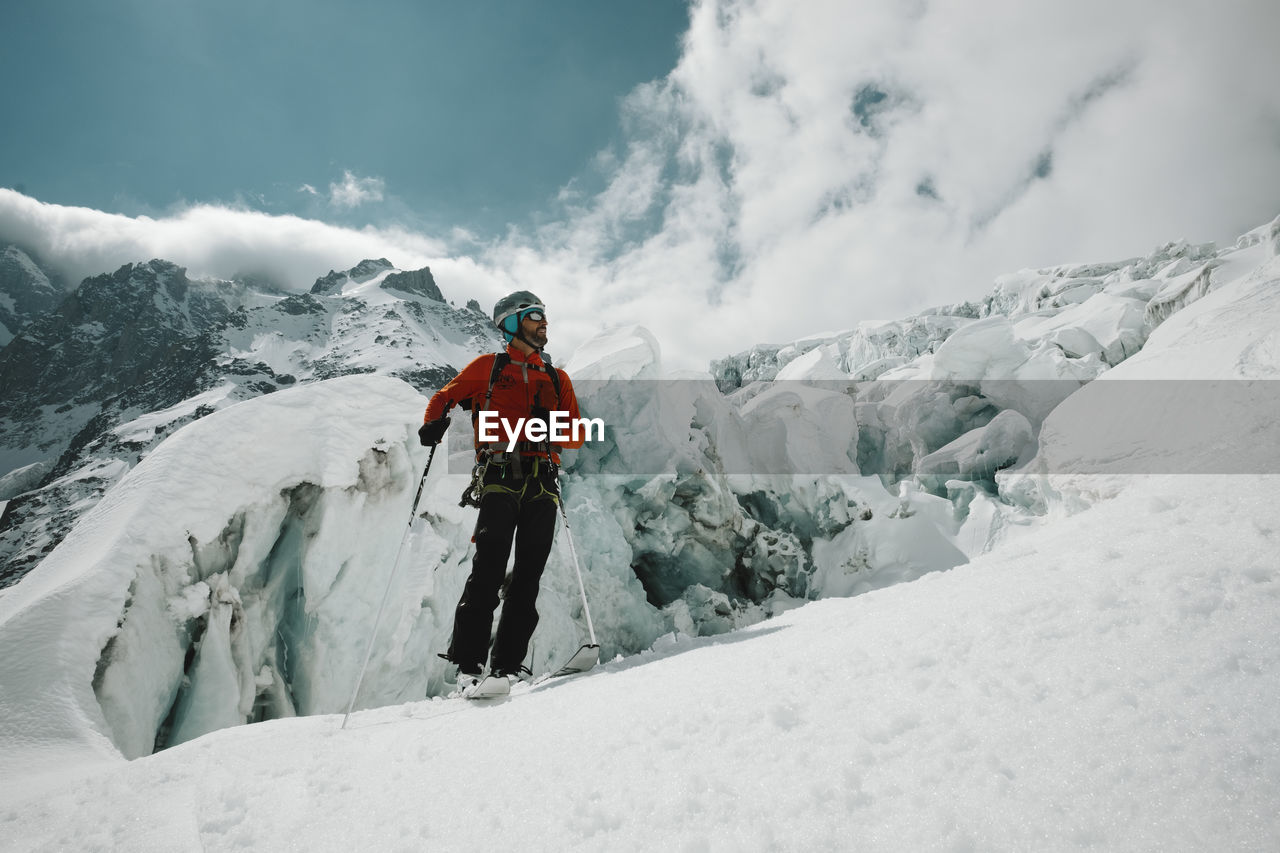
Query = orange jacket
x=516 y=392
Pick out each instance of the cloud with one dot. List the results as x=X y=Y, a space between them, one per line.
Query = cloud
x=353 y=191
x=866 y=160
x=798 y=173
x=211 y=241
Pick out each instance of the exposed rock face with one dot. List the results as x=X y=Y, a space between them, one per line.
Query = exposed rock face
x=26 y=292
x=360 y=273
x=91 y=385
x=138 y=337
x=416 y=283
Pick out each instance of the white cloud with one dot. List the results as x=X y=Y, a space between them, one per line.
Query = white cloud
x=210 y=241
x=806 y=168
x=858 y=159
x=354 y=191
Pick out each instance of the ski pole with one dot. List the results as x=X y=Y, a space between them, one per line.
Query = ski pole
x=394 y=567
x=576 y=568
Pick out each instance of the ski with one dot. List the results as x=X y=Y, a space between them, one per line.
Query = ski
x=499 y=686
x=492 y=687
x=583 y=659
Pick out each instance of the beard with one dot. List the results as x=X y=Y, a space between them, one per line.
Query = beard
x=538 y=338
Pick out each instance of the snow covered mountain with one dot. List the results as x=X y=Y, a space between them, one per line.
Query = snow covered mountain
x=94 y=384
x=1103 y=672
x=233 y=574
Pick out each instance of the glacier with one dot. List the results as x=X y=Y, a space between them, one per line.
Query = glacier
x=231 y=543
x=233 y=574
x=1102 y=674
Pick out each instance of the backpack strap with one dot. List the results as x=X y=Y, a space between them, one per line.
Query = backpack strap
x=553 y=373
x=500 y=360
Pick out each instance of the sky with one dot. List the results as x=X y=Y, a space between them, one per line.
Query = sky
x=726 y=173
x=469 y=114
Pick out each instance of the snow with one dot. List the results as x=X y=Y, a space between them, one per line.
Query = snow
x=217 y=503
x=275 y=350
x=108 y=469
x=1199 y=398
x=627 y=352
x=1109 y=682
x=1105 y=324
x=1177 y=292
x=145 y=427
x=21 y=479
x=1007 y=440
x=822 y=362
x=1063 y=656
x=355 y=324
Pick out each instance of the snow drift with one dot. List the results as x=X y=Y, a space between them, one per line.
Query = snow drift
x=1127 y=650
x=231 y=543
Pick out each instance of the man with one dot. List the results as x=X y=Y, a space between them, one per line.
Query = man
x=517 y=489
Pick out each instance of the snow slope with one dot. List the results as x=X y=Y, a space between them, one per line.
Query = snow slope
x=204 y=546
x=1106 y=683
x=1107 y=679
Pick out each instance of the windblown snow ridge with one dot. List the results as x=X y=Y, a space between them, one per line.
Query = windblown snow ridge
x=205 y=588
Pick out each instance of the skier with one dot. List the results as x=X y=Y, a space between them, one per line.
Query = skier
x=517 y=490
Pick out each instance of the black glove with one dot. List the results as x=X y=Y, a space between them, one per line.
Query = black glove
x=431 y=432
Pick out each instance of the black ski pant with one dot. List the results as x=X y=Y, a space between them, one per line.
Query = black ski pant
x=523 y=507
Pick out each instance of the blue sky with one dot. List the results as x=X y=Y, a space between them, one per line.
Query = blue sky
x=466 y=114
x=727 y=173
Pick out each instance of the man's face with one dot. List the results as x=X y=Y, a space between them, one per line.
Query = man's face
x=535 y=331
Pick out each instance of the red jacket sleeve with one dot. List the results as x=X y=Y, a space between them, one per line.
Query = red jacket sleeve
x=471 y=383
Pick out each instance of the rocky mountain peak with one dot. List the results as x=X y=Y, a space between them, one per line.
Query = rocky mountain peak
x=367 y=269
x=131 y=356
x=26 y=292
x=416 y=283
x=361 y=272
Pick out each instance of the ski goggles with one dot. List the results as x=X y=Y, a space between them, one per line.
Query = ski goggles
x=537 y=315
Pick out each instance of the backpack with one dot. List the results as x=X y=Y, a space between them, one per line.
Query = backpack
x=501 y=360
